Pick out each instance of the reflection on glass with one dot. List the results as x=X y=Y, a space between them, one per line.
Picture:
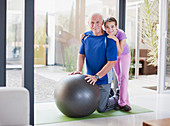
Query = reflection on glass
x=56 y=45
x=58 y=25
x=130 y=32
x=167 y=79
x=108 y=8
x=14 y=42
x=139 y=33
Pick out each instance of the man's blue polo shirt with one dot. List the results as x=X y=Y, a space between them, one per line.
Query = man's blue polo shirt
x=97 y=55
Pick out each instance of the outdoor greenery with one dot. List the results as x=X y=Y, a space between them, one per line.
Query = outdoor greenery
x=131 y=64
x=40 y=36
x=71 y=58
x=150 y=21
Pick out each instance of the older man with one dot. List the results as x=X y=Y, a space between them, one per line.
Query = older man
x=100 y=53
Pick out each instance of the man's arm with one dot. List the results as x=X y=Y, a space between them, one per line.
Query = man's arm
x=106 y=69
x=92 y=79
x=79 y=64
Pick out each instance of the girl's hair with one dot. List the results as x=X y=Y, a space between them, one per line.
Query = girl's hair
x=110 y=19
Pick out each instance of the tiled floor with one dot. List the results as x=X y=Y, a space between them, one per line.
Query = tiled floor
x=140 y=96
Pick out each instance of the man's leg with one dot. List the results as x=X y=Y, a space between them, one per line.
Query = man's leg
x=106 y=103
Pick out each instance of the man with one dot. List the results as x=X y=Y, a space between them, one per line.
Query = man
x=100 y=53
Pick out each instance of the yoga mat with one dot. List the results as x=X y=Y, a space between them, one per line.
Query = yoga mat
x=53 y=115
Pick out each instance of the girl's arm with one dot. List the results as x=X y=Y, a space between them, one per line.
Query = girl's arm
x=120 y=45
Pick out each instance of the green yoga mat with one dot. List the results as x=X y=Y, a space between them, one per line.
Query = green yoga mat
x=53 y=115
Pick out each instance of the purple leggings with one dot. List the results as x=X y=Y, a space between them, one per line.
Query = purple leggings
x=122 y=67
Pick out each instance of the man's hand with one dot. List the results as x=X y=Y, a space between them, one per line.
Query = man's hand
x=91 y=79
x=75 y=72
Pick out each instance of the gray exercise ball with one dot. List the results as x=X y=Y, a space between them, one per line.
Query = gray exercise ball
x=75 y=97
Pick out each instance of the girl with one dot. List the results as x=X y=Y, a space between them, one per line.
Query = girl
x=122 y=64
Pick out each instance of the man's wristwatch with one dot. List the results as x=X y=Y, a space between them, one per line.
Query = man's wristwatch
x=97 y=77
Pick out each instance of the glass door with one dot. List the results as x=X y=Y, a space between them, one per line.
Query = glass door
x=14 y=42
x=167 y=78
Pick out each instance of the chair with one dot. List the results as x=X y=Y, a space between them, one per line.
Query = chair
x=14 y=106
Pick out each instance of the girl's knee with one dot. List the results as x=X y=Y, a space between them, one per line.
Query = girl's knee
x=123 y=77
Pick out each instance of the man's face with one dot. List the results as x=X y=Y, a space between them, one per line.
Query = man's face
x=95 y=24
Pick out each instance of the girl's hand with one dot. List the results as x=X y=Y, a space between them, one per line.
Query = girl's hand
x=111 y=36
x=82 y=36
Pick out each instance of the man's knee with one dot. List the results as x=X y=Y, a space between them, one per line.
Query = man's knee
x=101 y=109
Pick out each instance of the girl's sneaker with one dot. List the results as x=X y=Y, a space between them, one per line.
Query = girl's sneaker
x=125 y=108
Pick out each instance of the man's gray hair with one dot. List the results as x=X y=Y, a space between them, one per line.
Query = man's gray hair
x=95 y=13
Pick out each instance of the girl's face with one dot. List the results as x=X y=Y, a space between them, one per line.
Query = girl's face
x=110 y=28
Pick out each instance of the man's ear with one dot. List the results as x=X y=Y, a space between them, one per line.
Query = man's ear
x=102 y=22
x=88 y=23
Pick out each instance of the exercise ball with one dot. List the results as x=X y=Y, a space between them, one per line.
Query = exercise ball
x=75 y=97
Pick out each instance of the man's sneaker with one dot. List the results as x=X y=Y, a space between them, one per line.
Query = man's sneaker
x=125 y=108
x=116 y=96
x=117 y=107
x=111 y=93
x=117 y=92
